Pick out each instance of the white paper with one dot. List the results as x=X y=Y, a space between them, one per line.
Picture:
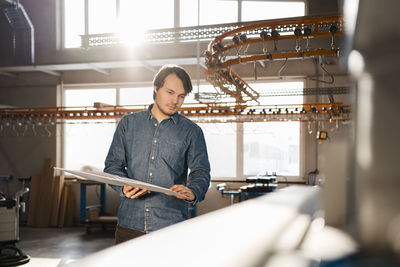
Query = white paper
x=107 y=178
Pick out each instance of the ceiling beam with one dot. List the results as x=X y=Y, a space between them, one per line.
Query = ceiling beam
x=148 y=66
x=53 y=73
x=100 y=70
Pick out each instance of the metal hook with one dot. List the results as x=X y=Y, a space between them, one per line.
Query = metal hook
x=25 y=130
x=247 y=48
x=265 y=48
x=15 y=130
x=281 y=69
x=223 y=56
x=322 y=65
x=309 y=128
x=33 y=130
x=298 y=47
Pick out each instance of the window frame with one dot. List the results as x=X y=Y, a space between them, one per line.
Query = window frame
x=239 y=127
x=176 y=22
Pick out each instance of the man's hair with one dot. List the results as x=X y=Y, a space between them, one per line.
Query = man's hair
x=166 y=70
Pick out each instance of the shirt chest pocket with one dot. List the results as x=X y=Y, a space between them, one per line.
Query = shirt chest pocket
x=173 y=153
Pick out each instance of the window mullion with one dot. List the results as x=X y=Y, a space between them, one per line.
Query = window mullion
x=239 y=150
x=239 y=10
x=117 y=6
x=86 y=17
x=177 y=13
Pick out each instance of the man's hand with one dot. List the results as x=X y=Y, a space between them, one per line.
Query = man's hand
x=133 y=192
x=181 y=189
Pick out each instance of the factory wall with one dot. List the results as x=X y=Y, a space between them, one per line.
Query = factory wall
x=23 y=150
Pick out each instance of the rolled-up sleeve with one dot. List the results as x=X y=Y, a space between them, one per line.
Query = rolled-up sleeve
x=115 y=162
x=198 y=163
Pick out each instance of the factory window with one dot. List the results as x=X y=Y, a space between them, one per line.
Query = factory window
x=262 y=10
x=210 y=12
x=126 y=17
x=264 y=146
x=102 y=16
x=221 y=148
x=273 y=146
x=135 y=17
x=136 y=96
x=130 y=19
x=87 y=142
x=74 y=22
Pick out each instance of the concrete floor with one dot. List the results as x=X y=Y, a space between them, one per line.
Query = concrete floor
x=55 y=246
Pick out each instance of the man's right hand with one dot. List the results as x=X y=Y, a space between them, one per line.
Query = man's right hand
x=133 y=192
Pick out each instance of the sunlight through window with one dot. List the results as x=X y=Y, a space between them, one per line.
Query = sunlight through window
x=74 y=20
x=102 y=16
x=136 y=96
x=267 y=146
x=273 y=146
x=135 y=18
x=263 y=10
x=86 y=142
x=210 y=12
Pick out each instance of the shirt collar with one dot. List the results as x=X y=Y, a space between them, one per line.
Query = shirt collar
x=174 y=117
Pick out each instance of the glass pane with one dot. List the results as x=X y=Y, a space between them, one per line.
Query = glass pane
x=102 y=16
x=74 y=22
x=220 y=139
x=271 y=147
x=210 y=12
x=263 y=10
x=86 y=142
x=188 y=13
x=136 y=96
x=221 y=148
x=138 y=16
x=86 y=97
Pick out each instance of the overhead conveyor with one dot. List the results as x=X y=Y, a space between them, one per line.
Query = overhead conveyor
x=233 y=48
x=234 y=100
x=212 y=113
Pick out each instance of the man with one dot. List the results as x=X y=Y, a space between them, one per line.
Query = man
x=158 y=146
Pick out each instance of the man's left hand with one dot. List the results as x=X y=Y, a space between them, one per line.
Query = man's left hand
x=183 y=190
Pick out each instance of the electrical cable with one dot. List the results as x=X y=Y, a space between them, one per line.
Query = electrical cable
x=312 y=177
x=14 y=257
x=286 y=180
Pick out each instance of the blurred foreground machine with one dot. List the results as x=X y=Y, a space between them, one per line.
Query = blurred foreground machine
x=282 y=228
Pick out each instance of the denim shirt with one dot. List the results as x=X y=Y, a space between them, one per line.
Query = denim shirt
x=160 y=154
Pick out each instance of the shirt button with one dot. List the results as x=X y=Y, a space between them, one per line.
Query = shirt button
x=155 y=141
x=155 y=124
x=147 y=210
x=152 y=157
x=151 y=174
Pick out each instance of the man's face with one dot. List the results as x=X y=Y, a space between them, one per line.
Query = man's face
x=169 y=98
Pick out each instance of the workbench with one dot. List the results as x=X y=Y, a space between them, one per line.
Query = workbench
x=94 y=214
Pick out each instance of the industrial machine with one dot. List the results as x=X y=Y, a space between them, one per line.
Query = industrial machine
x=256 y=186
x=10 y=209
